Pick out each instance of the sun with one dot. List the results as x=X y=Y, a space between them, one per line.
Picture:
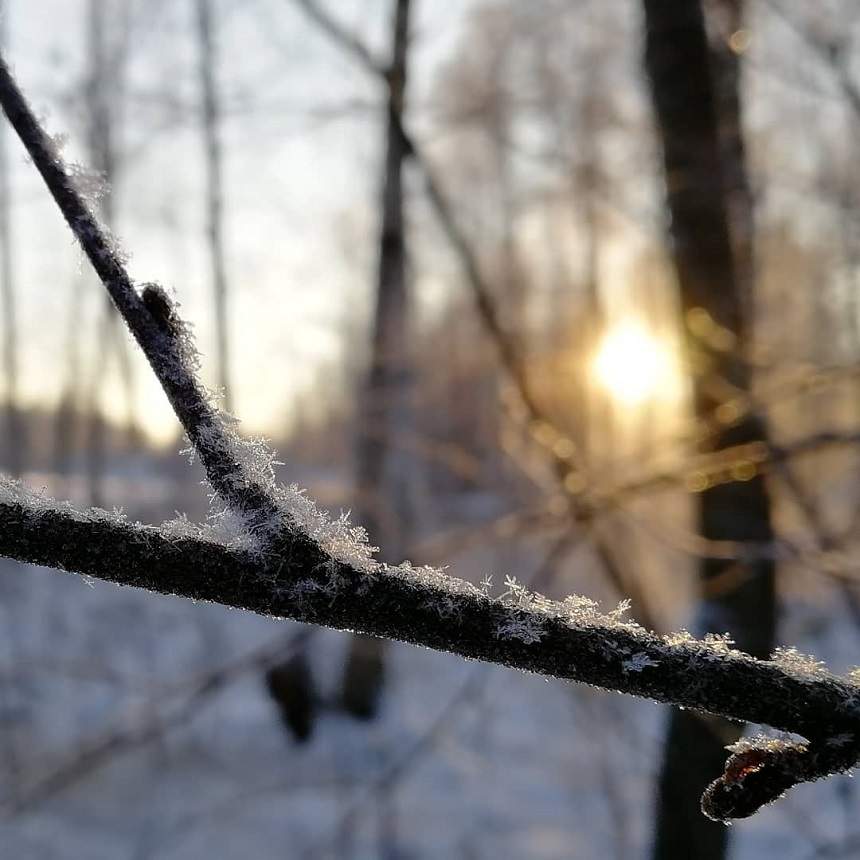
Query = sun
x=632 y=365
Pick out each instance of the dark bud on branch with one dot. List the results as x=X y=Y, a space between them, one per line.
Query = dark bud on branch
x=157 y=302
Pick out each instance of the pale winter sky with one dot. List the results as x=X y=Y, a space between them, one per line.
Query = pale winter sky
x=302 y=180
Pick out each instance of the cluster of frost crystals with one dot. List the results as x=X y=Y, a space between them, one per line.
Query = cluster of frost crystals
x=520 y=626
x=779 y=742
x=37 y=502
x=181 y=528
x=717 y=646
x=257 y=463
x=802 y=666
x=679 y=638
x=638 y=662
x=444 y=593
x=854 y=675
x=90 y=236
x=90 y=184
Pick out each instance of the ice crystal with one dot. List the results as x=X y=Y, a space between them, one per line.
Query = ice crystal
x=520 y=627
x=679 y=637
x=765 y=743
x=90 y=184
x=638 y=662
x=803 y=666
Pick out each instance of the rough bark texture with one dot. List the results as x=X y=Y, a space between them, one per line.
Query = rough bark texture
x=713 y=269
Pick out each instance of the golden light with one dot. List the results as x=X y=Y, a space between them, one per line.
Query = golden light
x=633 y=366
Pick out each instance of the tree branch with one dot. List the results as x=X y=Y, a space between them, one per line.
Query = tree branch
x=149 y=316
x=317 y=572
x=421 y=606
x=505 y=344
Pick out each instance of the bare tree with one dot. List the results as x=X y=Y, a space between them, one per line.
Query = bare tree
x=737 y=596
x=13 y=448
x=108 y=45
x=288 y=560
x=384 y=467
x=208 y=69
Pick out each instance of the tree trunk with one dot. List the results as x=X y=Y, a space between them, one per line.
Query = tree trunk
x=107 y=57
x=214 y=191
x=13 y=447
x=384 y=470
x=703 y=173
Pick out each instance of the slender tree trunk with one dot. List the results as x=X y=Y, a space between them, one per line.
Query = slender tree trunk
x=13 y=447
x=384 y=470
x=214 y=190
x=737 y=597
x=103 y=88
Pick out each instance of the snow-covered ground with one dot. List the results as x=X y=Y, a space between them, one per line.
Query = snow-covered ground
x=465 y=761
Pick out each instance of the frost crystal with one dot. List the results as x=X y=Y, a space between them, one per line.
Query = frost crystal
x=766 y=743
x=638 y=662
x=681 y=637
x=519 y=627
x=90 y=184
x=804 y=666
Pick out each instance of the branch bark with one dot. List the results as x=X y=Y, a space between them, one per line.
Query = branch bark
x=568 y=640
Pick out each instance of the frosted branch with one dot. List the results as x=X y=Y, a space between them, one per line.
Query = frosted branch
x=569 y=639
x=149 y=316
x=322 y=572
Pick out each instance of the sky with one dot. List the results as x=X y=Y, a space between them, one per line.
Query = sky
x=302 y=139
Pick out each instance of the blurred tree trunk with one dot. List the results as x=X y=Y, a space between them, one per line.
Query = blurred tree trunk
x=107 y=57
x=13 y=445
x=214 y=190
x=705 y=175
x=384 y=468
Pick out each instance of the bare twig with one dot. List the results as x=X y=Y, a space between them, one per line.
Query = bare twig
x=132 y=731
x=149 y=316
x=566 y=467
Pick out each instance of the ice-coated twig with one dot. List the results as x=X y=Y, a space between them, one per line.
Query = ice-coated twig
x=569 y=639
x=761 y=770
x=149 y=316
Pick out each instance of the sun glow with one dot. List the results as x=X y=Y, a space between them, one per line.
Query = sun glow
x=634 y=366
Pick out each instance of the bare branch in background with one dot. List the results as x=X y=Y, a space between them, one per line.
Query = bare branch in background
x=341 y=587
x=569 y=468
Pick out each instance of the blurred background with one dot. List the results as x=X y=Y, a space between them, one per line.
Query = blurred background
x=528 y=301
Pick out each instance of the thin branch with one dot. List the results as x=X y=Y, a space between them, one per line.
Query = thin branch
x=828 y=51
x=569 y=640
x=299 y=579
x=506 y=346
x=132 y=731
x=149 y=316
